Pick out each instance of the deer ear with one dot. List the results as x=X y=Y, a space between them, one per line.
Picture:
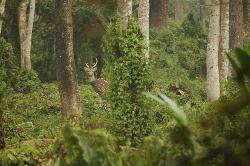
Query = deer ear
x=95 y=68
x=85 y=69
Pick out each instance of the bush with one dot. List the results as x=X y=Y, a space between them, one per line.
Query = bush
x=82 y=147
x=129 y=76
x=27 y=81
x=8 y=68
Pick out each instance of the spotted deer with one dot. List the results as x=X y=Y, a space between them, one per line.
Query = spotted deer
x=100 y=85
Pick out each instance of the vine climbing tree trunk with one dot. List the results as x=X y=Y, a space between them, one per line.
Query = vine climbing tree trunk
x=66 y=70
x=159 y=14
x=144 y=23
x=224 y=40
x=213 y=80
x=2 y=9
x=25 y=30
x=124 y=10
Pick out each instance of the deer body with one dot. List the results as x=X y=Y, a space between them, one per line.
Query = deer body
x=100 y=85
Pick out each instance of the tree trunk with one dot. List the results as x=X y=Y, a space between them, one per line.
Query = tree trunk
x=124 y=10
x=25 y=31
x=144 y=23
x=202 y=14
x=159 y=14
x=2 y=143
x=179 y=10
x=224 y=40
x=236 y=26
x=29 y=34
x=2 y=9
x=245 y=13
x=66 y=71
x=22 y=28
x=213 y=81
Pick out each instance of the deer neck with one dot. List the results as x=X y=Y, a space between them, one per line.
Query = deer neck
x=92 y=78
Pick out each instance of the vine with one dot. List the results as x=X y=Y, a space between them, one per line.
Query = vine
x=129 y=75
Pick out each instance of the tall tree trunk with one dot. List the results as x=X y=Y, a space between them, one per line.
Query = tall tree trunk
x=179 y=9
x=144 y=23
x=29 y=33
x=66 y=70
x=124 y=10
x=22 y=9
x=2 y=143
x=202 y=14
x=224 y=40
x=236 y=26
x=245 y=13
x=159 y=14
x=213 y=80
x=2 y=9
x=25 y=30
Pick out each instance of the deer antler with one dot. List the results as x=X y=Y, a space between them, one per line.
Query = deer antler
x=96 y=61
x=87 y=65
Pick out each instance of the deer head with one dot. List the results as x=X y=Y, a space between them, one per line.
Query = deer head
x=90 y=70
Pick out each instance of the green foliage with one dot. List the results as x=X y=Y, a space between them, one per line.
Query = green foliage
x=7 y=66
x=33 y=115
x=27 y=81
x=179 y=59
x=129 y=76
x=24 y=155
x=192 y=28
x=88 y=148
x=38 y=113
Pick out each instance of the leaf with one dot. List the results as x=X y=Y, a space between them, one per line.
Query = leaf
x=153 y=97
x=178 y=113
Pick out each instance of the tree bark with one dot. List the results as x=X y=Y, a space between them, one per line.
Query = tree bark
x=66 y=71
x=159 y=14
x=29 y=33
x=202 y=14
x=224 y=40
x=245 y=13
x=25 y=30
x=22 y=8
x=144 y=23
x=236 y=24
x=213 y=80
x=2 y=9
x=179 y=10
x=236 y=27
x=124 y=10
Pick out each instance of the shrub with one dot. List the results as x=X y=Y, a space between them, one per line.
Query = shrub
x=27 y=81
x=8 y=68
x=129 y=76
x=87 y=148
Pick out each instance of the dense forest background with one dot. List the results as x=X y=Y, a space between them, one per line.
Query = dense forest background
x=122 y=82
